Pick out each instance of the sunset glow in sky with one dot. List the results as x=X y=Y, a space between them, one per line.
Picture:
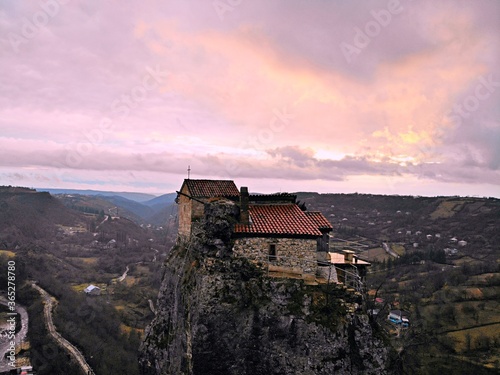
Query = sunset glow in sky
x=390 y=97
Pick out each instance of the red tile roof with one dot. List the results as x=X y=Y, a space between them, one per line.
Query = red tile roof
x=211 y=188
x=281 y=219
x=319 y=220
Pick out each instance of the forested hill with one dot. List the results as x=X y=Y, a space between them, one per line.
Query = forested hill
x=28 y=214
x=64 y=250
x=400 y=218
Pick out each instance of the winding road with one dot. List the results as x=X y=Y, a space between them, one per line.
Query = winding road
x=122 y=277
x=389 y=251
x=47 y=310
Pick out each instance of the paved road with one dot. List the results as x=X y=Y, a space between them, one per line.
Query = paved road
x=389 y=251
x=122 y=277
x=152 y=306
x=77 y=355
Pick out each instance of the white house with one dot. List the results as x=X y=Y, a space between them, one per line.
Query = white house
x=92 y=290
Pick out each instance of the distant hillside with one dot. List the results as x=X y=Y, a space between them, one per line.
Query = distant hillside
x=395 y=218
x=137 y=197
x=164 y=215
x=161 y=200
x=139 y=209
x=93 y=204
x=156 y=211
x=164 y=207
x=25 y=213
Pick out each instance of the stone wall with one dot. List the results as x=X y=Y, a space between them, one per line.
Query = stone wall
x=197 y=210
x=296 y=253
x=184 y=216
x=189 y=210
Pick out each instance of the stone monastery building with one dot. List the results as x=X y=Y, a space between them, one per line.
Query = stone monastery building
x=271 y=229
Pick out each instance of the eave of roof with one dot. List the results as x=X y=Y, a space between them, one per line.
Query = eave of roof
x=319 y=220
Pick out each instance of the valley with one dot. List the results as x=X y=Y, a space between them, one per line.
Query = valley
x=73 y=250
x=436 y=258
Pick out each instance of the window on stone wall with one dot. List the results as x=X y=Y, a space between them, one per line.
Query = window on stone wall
x=272 y=252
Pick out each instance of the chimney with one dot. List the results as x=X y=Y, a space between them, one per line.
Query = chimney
x=348 y=256
x=244 y=215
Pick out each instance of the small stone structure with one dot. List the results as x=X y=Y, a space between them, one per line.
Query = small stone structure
x=194 y=194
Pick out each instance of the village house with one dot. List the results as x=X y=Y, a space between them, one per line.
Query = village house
x=92 y=290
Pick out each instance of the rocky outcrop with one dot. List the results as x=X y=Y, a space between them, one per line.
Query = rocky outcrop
x=219 y=314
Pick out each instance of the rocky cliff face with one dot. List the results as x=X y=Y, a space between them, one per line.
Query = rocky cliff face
x=219 y=314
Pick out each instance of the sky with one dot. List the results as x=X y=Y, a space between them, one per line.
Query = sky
x=385 y=97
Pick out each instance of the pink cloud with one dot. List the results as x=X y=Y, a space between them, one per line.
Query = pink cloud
x=266 y=89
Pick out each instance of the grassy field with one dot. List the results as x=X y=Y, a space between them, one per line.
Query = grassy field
x=398 y=249
x=482 y=279
x=130 y=280
x=81 y=287
x=91 y=261
x=8 y=253
x=447 y=209
x=127 y=329
x=375 y=255
x=481 y=341
x=72 y=230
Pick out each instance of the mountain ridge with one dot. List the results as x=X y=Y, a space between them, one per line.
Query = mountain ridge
x=137 y=197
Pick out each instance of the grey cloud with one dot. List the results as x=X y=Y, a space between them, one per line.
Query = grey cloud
x=293 y=154
x=300 y=167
